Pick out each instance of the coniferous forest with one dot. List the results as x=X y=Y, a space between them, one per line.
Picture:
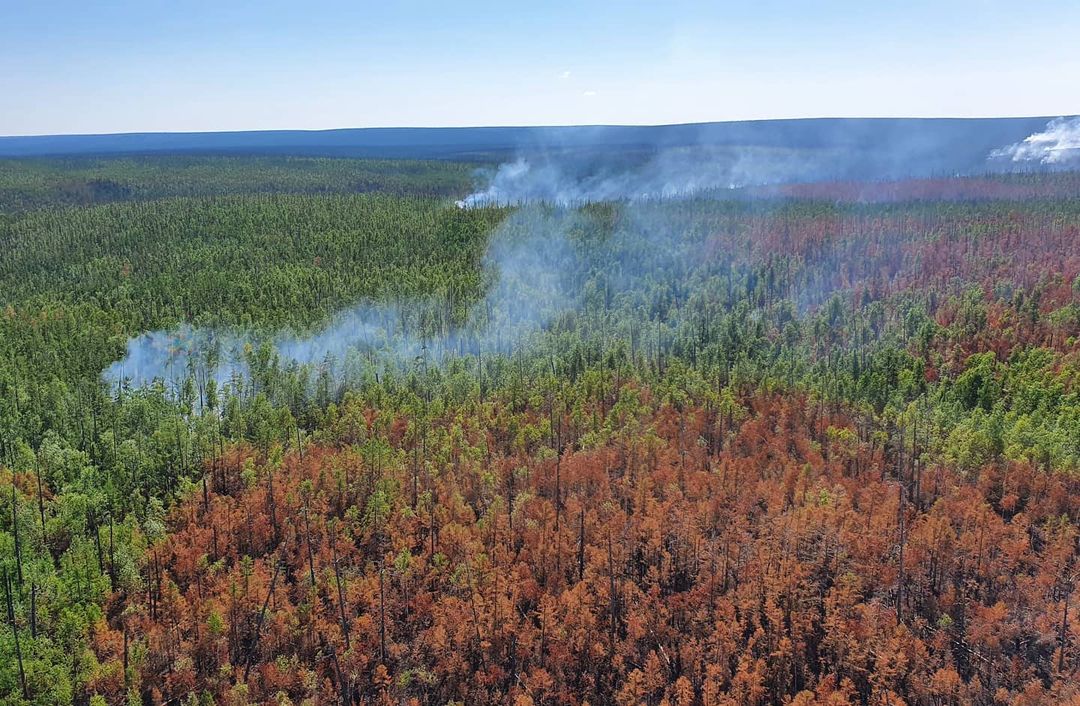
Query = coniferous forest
x=297 y=430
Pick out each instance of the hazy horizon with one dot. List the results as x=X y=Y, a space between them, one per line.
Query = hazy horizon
x=341 y=128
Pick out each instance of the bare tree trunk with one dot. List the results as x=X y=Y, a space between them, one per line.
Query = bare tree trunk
x=1063 y=633
x=340 y=592
x=259 y=623
x=307 y=541
x=15 y=529
x=41 y=500
x=382 y=614
x=581 y=545
x=15 y=632
x=900 y=578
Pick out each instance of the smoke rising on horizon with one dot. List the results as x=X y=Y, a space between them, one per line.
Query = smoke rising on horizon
x=1057 y=145
x=668 y=173
x=864 y=151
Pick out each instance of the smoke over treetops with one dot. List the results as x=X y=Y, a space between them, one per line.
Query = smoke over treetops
x=524 y=264
x=537 y=265
x=543 y=262
x=675 y=172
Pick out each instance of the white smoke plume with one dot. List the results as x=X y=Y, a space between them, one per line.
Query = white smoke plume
x=534 y=266
x=1058 y=144
x=524 y=262
x=535 y=269
x=676 y=172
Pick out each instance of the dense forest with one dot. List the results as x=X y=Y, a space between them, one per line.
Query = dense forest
x=84 y=180
x=810 y=444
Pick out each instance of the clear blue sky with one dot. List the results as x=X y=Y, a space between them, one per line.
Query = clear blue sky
x=78 y=66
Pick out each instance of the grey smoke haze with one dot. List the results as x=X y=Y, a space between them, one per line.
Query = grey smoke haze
x=527 y=288
x=528 y=265
x=676 y=172
x=534 y=265
x=529 y=256
x=221 y=354
x=695 y=159
x=1058 y=144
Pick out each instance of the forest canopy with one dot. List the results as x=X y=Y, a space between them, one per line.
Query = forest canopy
x=812 y=444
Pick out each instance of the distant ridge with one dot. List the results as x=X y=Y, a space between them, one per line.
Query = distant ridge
x=847 y=148
x=445 y=142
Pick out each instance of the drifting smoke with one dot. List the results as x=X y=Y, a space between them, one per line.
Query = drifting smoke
x=1058 y=144
x=532 y=266
x=525 y=264
x=225 y=354
x=666 y=174
x=536 y=267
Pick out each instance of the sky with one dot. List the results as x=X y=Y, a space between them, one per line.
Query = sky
x=101 y=66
